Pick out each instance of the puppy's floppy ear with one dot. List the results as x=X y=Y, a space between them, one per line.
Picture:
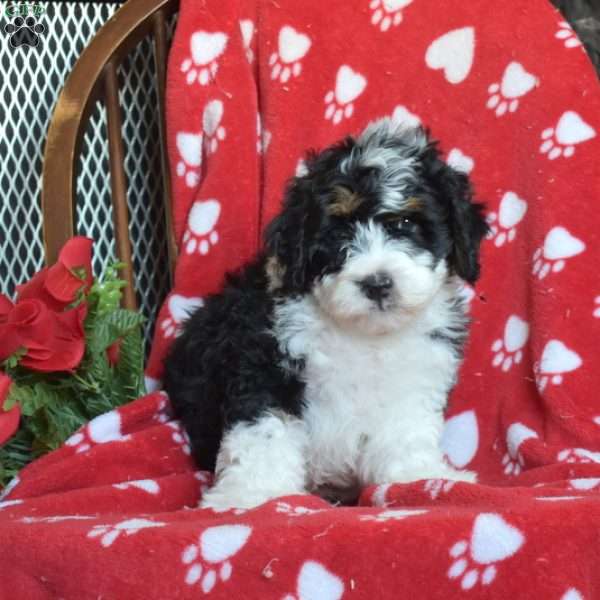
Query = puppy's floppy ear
x=290 y=236
x=466 y=221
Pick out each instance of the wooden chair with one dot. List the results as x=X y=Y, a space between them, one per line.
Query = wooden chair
x=94 y=77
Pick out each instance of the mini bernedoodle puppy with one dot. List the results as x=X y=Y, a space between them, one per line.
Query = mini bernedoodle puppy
x=325 y=363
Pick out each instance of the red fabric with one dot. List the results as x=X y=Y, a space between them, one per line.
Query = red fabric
x=523 y=113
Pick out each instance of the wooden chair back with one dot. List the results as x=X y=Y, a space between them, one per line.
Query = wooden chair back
x=94 y=77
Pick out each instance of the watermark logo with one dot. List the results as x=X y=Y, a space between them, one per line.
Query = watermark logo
x=24 y=29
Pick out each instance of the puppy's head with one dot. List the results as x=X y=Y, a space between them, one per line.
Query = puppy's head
x=374 y=228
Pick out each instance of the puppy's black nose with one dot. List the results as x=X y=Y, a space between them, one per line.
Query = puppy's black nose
x=377 y=286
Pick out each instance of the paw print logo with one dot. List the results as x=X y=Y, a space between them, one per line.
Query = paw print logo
x=210 y=559
x=392 y=515
x=503 y=225
x=263 y=137
x=460 y=161
x=578 y=456
x=211 y=124
x=386 y=13
x=189 y=146
x=516 y=82
x=295 y=511
x=556 y=360
x=492 y=540
x=247 y=30
x=24 y=32
x=435 y=487
x=292 y=47
x=200 y=233
x=565 y=32
x=596 y=312
x=180 y=308
x=561 y=140
x=509 y=350
x=100 y=430
x=108 y=534
x=513 y=460
x=349 y=85
x=205 y=49
x=315 y=581
x=180 y=437
x=559 y=245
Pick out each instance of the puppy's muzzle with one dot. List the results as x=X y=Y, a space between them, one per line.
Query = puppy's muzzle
x=377 y=287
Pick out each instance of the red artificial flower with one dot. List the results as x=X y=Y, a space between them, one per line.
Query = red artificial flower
x=54 y=341
x=113 y=352
x=9 y=420
x=58 y=286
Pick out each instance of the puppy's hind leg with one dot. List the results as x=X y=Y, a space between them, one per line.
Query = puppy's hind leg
x=259 y=460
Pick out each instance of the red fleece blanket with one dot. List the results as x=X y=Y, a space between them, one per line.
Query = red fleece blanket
x=514 y=101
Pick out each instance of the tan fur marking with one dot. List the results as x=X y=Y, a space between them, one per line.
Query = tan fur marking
x=346 y=202
x=413 y=203
x=275 y=272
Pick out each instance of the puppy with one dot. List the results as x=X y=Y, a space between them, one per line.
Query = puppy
x=325 y=364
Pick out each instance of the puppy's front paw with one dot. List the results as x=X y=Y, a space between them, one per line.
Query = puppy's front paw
x=219 y=501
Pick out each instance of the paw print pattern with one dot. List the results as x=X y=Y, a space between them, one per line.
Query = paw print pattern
x=503 y=225
x=180 y=308
x=596 y=312
x=460 y=161
x=509 y=350
x=247 y=30
x=205 y=49
x=295 y=511
x=392 y=515
x=565 y=32
x=403 y=116
x=100 y=430
x=513 y=461
x=585 y=483
x=349 y=85
x=209 y=560
x=180 y=437
x=492 y=540
x=435 y=487
x=292 y=47
x=386 y=13
x=108 y=534
x=572 y=594
x=379 y=497
x=561 y=140
x=263 y=137
x=556 y=360
x=516 y=82
x=200 y=233
x=460 y=438
x=189 y=146
x=147 y=485
x=559 y=245
x=214 y=132
x=24 y=32
x=315 y=581
x=578 y=456
x=453 y=54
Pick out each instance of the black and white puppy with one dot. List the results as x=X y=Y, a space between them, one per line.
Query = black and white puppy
x=325 y=364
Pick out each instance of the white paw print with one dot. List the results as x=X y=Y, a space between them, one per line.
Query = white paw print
x=572 y=594
x=209 y=559
x=565 y=32
x=492 y=540
x=379 y=497
x=387 y=12
x=561 y=140
x=180 y=308
x=516 y=82
x=109 y=533
x=460 y=161
x=200 y=233
x=403 y=116
x=556 y=360
x=214 y=132
x=263 y=137
x=180 y=437
x=189 y=146
x=578 y=455
x=503 y=226
x=513 y=460
x=295 y=511
x=247 y=29
x=301 y=169
x=453 y=53
x=392 y=515
x=349 y=85
x=163 y=412
x=146 y=485
x=315 y=581
x=205 y=49
x=100 y=430
x=585 y=483
x=435 y=487
x=292 y=47
x=509 y=349
x=596 y=312
x=559 y=245
x=460 y=439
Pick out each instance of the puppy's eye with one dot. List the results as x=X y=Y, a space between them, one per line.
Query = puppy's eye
x=406 y=225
